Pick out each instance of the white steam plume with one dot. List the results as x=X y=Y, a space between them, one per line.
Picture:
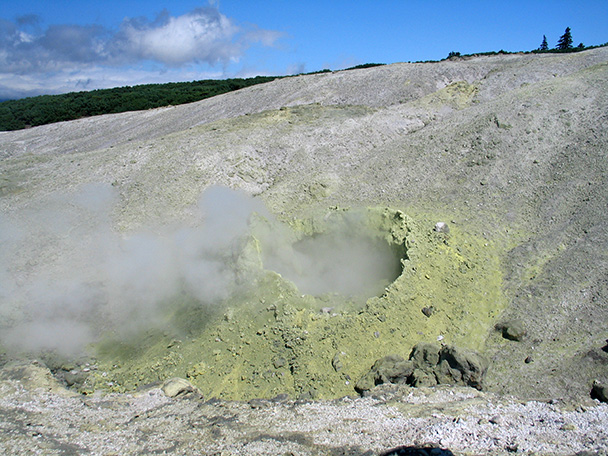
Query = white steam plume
x=67 y=276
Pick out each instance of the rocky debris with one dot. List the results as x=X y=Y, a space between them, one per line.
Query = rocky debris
x=428 y=365
x=425 y=355
x=398 y=420
x=336 y=363
x=75 y=378
x=442 y=227
x=497 y=419
x=458 y=366
x=599 y=391
x=259 y=403
x=73 y=373
x=428 y=311
x=33 y=375
x=512 y=329
x=390 y=369
x=176 y=386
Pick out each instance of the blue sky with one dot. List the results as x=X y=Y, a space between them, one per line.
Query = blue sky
x=55 y=46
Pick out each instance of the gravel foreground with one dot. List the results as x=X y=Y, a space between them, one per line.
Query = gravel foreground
x=44 y=418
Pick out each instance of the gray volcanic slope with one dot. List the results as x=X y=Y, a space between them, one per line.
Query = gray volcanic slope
x=509 y=150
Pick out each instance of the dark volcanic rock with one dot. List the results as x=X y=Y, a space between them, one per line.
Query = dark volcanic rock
x=429 y=365
x=599 y=391
x=458 y=366
x=425 y=355
x=423 y=377
x=390 y=369
x=512 y=329
x=428 y=311
x=418 y=451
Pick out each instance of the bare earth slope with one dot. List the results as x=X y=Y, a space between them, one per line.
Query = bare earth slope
x=509 y=150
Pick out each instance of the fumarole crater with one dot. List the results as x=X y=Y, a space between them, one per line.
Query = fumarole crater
x=348 y=255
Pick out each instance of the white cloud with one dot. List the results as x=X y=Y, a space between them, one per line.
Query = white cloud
x=265 y=37
x=78 y=57
x=71 y=79
x=204 y=35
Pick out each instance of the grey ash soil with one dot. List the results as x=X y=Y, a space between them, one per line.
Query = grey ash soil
x=509 y=150
x=456 y=420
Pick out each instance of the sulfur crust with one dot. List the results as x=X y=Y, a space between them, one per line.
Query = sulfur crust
x=273 y=340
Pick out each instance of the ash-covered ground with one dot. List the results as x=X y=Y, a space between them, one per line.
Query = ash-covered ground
x=270 y=245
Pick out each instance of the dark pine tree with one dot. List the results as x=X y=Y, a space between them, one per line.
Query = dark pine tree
x=544 y=46
x=565 y=41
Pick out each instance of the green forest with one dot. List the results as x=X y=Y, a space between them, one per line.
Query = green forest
x=44 y=109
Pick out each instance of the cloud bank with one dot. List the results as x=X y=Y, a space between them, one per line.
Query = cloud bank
x=204 y=36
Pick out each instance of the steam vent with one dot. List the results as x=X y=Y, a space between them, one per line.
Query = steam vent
x=317 y=301
x=349 y=255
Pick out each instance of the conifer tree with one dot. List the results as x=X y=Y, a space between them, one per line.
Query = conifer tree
x=565 y=41
x=544 y=46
